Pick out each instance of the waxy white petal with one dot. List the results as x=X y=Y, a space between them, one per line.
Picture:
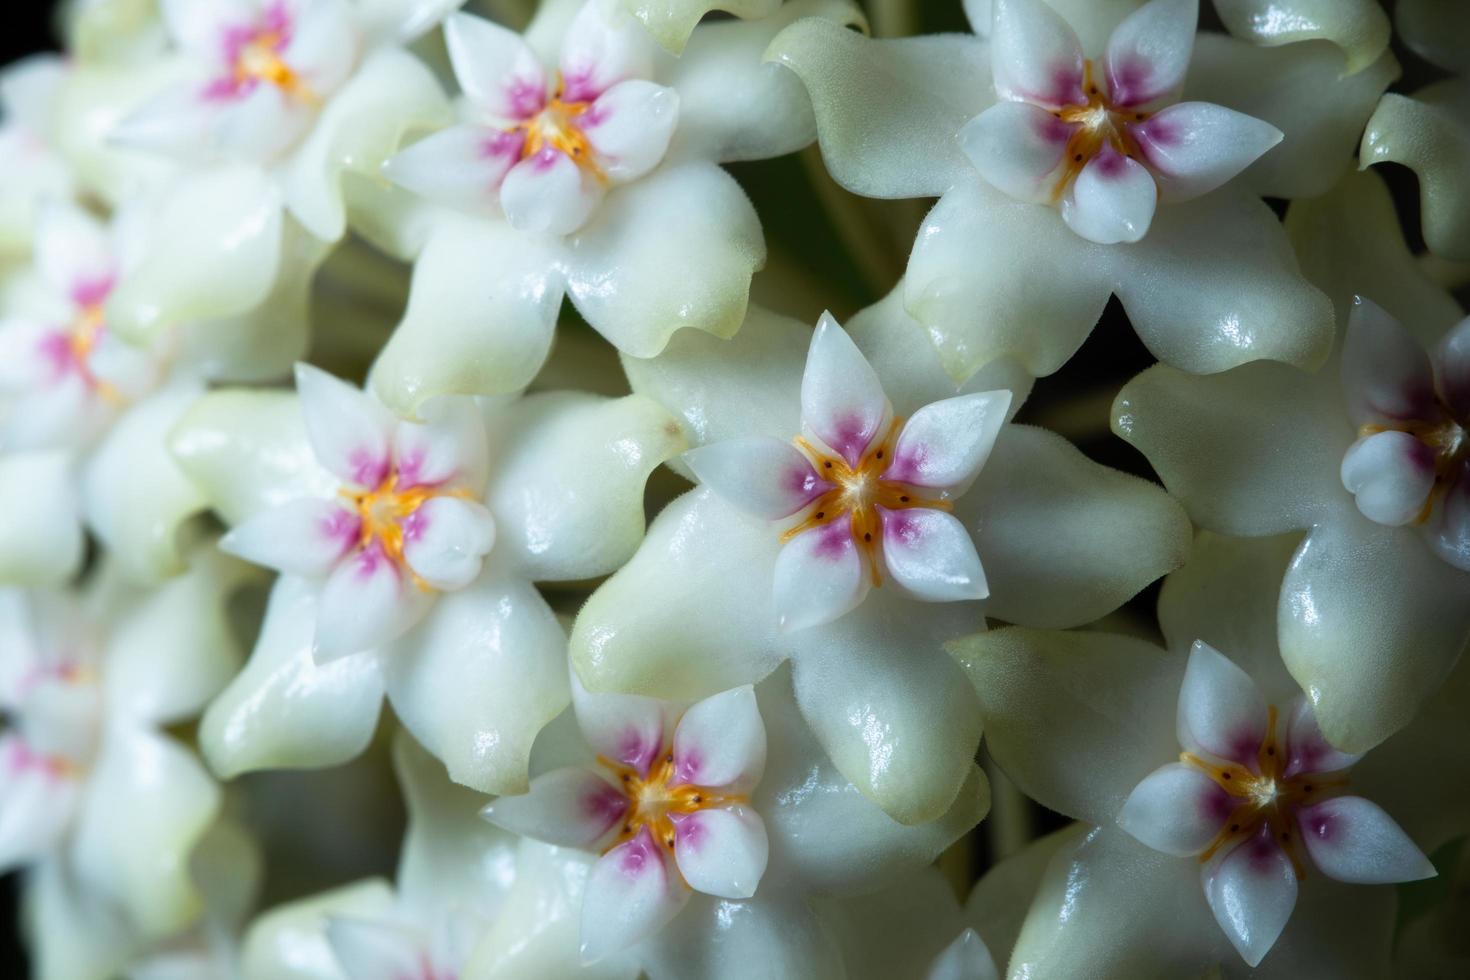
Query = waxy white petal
x=566 y=807
x=721 y=742
x=1451 y=360
x=461 y=167
x=632 y=892
x=1177 y=809
x=1194 y=147
x=626 y=729
x=548 y=193
x=1252 y=892
x=762 y=476
x=1307 y=750
x=967 y=958
x=1386 y=374
x=629 y=127
x=1149 y=51
x=367 y=601
x=75 y=253
x=722 y=851
x=324 y=43
x=819 y=576
x=376 y=949
x=497 y=71
x=1221 y=710
x=1035 y=54
x=349 y=431
x=200 y=25
x=446 y=449
x=931 y=555
x=446 y=540
x=1448 y=529
x=1354 y=840
x=945 y=443
x=842 y=400
x=36 y=804
x=603 y=45
x=1112 y=200
x=304 y=537
x=1390 y=475
x=1428 y=133
x=284 y=711
x=1017 y=147
x=41 y=539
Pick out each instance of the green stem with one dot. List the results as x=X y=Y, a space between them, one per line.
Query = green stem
x=1010 y=825
x=864 y=242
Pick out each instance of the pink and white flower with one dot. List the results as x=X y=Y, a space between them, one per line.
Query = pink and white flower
x=1063 y=540
x=1106 y=141
x=1257 y=793
x=34 y=169
x=860 y=495
x=721 y=831
x=403 y=523
x=545 y=141
x=1212 y=284
x=383 y=530
x=303 y=91
x=1365 y=455
x=1411 y=462
x=586 y=166
x=667 y=806
x=1256 y=838
x=97 y=802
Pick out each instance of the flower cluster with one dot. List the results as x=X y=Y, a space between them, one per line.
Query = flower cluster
x=721 y=635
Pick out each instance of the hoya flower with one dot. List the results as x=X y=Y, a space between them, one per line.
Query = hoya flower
x=1261 y=839
x=808 y=550
x=586 y=164
x=1104 y=140
x=1366 y=453
x=99 y=805
x=1428 y=131
x=307 y=90
x=705 y=815
x=400 y=522
x=34 y=169
x=455 y=875
x=1024 y=158
x=408 y=552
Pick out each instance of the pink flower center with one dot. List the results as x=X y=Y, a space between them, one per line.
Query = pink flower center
x=1265 y=796
x=388 y=517
x=659 y=800
x=1098 y=124
x=860 y=491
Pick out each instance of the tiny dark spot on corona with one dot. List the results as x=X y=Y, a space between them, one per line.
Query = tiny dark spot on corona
x=1224 y=775
x=1078 y=158
x=1270 y=750
x=903 y=500
x=867 y=536
x=1307 y=788
x=698 y=798
x=1234 y=827
x=828 y=464
x=880 y=454
x=821 y=514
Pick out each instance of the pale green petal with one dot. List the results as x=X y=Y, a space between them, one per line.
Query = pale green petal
x=675 y=249
x=776 y=929
x=691 y=614
x=1255 y=450
x=479 y=677
x=147 y=804
x=896 y=932
x=285 y=712
x=1371 y=622
x=1076 y=719
x=1350 y=243
x=1064 y=540
x=391 y=93
x=1429 y=133
x=888 y=706
x=733 y=106
x=1211 y=286
x=451 y=856
x=888 y=110
x=41 y=541
x=214 y=250
x=289 y=942
x=174 y=647
x=1301 y=90
x=247 y=452
x=135 y=496
x=72 y=933
x=1226 y=595
x=1359 y=27
x=567 y=479
x=481 y=313
x=671 y=22
x=998 y=903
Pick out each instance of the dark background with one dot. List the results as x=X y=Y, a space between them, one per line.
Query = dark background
x=790 y=195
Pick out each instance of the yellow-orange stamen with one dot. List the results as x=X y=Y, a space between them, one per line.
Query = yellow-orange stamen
x=1098 y=123
x=1265 y=796
x=860 y=491
x=557 y=126
x=382 y=512
x=81 y=341
x=654 y=801
x=260 y=60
